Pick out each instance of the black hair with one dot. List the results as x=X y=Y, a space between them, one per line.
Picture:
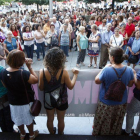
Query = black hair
x=118 y=55
x=55 y=59
x=37 y=26
x=24 y=29
x=34 y=27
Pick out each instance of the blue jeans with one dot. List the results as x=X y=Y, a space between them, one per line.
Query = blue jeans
x=29 y=50
x=40 y=46
x=65 y=50
x=124 y=47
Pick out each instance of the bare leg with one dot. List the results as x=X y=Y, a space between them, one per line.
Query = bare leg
x=21 y=128
x=91 y=58
x=95 y=60
x=50 y=118
x=61 y=124
x=30 y=129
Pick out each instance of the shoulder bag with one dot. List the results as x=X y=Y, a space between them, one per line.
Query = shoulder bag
x=36 y=106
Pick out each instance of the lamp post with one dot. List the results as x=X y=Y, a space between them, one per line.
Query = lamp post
x=51 y=8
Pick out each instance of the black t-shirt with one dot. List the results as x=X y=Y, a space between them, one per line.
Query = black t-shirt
x=14 y=83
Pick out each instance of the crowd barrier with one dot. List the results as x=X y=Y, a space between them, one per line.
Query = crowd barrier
x=83 y=98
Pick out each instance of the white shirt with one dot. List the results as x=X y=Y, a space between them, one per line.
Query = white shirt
x=102 y=29
x=28 y=35
x=118 y=41
x=5 y=30
x=38 y=34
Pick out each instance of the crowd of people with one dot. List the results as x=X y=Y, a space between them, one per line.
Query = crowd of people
x=115 y=35
x=93 y=30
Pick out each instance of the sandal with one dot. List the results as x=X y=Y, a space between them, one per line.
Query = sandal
x=90 y=65
x=35 y=135
x=22 y=137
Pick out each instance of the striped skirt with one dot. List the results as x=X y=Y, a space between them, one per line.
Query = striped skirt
x=108 y=119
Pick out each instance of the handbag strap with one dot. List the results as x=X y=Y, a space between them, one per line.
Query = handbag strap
x=115 y=39
x=119 y=76
x=26 y=89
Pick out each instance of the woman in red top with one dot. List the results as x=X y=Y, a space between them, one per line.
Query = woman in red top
x=124 y=34
x=16 y=34
x=98 y=21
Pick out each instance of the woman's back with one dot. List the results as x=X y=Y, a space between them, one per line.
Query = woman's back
x=14 y=83
x=108 y=76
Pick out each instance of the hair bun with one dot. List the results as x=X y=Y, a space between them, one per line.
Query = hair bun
x=125 y=57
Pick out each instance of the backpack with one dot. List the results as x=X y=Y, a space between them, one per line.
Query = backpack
x=116 y=89
x=52 y=93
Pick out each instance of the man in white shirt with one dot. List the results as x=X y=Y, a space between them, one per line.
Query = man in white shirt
x=57 y=24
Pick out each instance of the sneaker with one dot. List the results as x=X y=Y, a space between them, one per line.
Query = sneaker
x=77 y=65
x=82 y=64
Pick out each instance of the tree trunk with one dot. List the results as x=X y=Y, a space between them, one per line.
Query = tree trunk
x=113 y=5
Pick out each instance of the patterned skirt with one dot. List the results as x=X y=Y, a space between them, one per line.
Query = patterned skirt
x=108 y=119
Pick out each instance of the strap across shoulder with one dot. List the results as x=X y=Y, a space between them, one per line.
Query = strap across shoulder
x=119 y=76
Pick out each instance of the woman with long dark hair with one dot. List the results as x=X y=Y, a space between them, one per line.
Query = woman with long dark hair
x=51 y=76
x=28 y=41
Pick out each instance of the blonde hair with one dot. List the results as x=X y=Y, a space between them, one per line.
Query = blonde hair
x=81 y=28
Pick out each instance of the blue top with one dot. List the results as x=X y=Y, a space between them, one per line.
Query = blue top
x=108 y=76
x=11 y=46
x=83 y=42
x=136 y=91
x=105 y=37
x=64 y=41
x=134 y=44
x=3 y=90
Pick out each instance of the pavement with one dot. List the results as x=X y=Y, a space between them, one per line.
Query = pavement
x=72 y=59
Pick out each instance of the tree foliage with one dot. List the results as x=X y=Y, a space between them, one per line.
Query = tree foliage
x=97 y=1
x=40 y=2
x=2 y=2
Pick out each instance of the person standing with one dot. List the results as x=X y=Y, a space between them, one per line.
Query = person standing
x=125 y=36
x=133 y=49
x=57 y=24
x=133 y=108
x=116 y=40
x=93 y=50
x=110 y=111
x=130 y=27
x=39 y=36
x=82 y=43
x=53 y=74
x=6 y=124
x=19 y=105
x=10 y=43
x=105 y=38
x=65 y=39
x=28 y=41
